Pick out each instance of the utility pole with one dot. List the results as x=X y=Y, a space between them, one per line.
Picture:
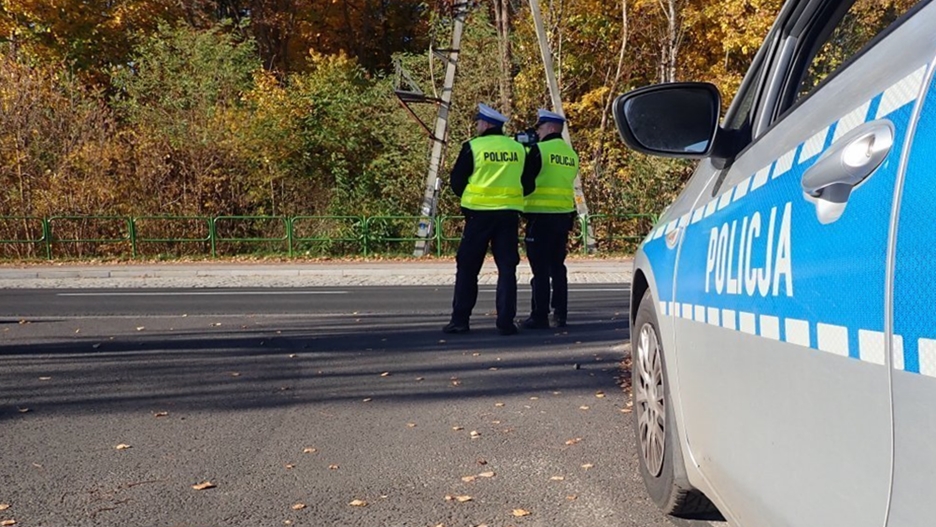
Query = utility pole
x=439 y=136
x=580 y=206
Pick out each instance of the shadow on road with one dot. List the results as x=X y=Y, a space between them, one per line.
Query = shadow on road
x=251 y=363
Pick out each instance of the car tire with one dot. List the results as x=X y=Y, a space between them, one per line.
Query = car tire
x=658 y=451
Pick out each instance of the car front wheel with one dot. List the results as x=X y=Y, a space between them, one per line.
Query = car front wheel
x=654 y=424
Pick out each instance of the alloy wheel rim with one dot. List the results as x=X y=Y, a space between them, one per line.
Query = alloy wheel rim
x=648 y=394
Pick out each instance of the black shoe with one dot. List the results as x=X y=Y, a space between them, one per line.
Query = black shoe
x=560 y=322
x=455 y=328
x=508 y=330
x=533 y=323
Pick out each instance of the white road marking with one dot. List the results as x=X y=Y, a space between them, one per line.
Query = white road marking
x=204 y=293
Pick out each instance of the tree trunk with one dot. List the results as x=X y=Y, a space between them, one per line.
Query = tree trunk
x=672 y=39
x=612 y=90
x=502 y=19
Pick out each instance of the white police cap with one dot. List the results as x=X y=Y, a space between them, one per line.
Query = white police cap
x=545 y=116
x=486 y=113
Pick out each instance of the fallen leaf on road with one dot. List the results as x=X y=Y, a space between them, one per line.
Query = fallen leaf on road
x=139 y=328
x=475 y=434
x=309 y=450
x=78 y=330
x=626 y=410
x=45 y=378
x=460 y=499
x=24 y=321
x=122 y=446
x=486 y=475
x=292 y=355
x=22 y=411
x=96 y=346
x=235 y=374
x=216 y=324
x=573 y=441
x=411 y=425
x=492 y=369
x=456 y=383
x=572 y=497
x=600 y=395
x=458 y=428
x=521 y=512
x=7 y=523
x=160 y=414
x=358 y=503
x=4 y=506
x=583 y=407
x=298 y=506
x=534 y=398
x=385 y=374
x=290 y=466
x=367 y=400
x=204 y=486
x=482 y=462
x=587 y=466
x=420 y=378
x=498 y=404
x=557 y=478
x=468 y=479
x=332 y=467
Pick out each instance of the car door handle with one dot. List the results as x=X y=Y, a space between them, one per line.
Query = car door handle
x=846 y=164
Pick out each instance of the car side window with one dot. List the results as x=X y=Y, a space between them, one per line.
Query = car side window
x=864 y=20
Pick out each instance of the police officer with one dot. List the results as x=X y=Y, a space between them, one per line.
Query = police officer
x=488 y=176
x=550 y=213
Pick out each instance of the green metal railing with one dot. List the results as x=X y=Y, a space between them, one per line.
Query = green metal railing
x=26 y=228
x=141 y=226
x=135 y=236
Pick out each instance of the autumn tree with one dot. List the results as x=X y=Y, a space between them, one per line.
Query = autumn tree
x=370 y=31
x=88 y=36
x=178 y=97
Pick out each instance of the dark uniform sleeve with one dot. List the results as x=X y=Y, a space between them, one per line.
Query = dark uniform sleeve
x=462 y=170
x=531 y=169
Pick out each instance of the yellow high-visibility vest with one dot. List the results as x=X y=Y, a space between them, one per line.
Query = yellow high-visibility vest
x=495 y=182
x=554 y=185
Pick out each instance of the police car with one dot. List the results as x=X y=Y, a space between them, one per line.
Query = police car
x=783 y=309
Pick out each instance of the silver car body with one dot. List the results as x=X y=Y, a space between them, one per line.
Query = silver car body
x=800 y=335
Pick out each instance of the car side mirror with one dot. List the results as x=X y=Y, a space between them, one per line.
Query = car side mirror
x=670 y=120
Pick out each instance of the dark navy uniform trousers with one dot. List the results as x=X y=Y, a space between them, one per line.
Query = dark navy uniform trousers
x=496 y=229
x=547 y=238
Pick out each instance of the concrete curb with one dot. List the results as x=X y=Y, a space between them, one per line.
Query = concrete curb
x=222 y=274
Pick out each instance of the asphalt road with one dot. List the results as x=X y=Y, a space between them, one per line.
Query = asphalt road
x=295 y=403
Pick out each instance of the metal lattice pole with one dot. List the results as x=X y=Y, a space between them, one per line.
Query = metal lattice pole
x=430 y=202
